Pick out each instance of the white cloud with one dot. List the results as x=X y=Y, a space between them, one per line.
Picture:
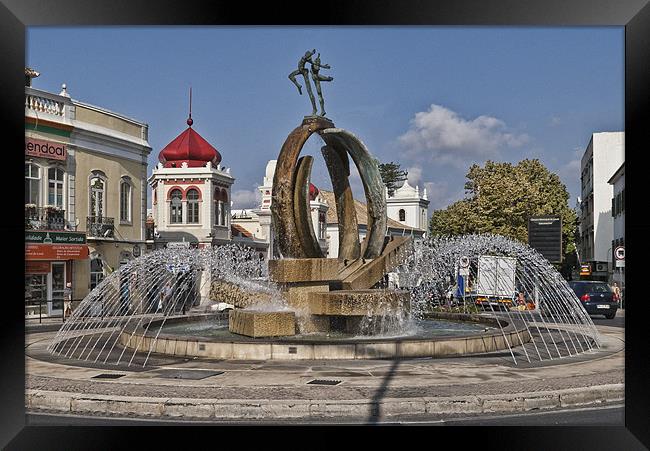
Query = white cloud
x=246 y=199
x=571 y=169
x=414 y=175
x=441 y=135
x=439 y=195
x=555 y=120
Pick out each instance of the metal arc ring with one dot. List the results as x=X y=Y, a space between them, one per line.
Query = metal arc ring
x=290 y=207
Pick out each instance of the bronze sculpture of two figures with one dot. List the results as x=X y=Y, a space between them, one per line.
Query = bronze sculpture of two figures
x=315 y=75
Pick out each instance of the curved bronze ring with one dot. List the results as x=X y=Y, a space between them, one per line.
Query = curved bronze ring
x=290 y=206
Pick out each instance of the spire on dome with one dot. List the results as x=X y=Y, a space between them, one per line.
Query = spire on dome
x=189 y=119
x=189 y=148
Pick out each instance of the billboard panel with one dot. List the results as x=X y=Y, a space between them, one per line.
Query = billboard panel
x=545 y=236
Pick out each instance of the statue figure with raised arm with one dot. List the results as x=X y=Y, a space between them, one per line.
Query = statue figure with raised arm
x=315 y=68
x=302 y=70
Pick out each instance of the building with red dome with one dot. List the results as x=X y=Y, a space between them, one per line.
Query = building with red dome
x=191 y=193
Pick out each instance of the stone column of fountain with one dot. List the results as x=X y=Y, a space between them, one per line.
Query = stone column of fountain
x=327 y=295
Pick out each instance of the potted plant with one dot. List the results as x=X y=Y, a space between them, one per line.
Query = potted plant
x=30 y=214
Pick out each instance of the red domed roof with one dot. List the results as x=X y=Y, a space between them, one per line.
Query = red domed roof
x=313 y=191
x=189 y=147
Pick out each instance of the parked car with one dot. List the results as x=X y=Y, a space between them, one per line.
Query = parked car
x=597 y=297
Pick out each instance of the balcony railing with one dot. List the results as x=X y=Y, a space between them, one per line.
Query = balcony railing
x=44 y=102
x=45 y=218
x=100 y=227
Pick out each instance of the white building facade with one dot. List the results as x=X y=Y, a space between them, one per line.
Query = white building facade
x=407 y=206
x=602 y=157
x=618 y=213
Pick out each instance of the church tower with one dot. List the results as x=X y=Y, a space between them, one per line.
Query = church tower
x=407 y=206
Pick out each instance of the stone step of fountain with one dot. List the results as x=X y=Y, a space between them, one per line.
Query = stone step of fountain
x=358 y=302
x=257 y=323
x=293 y=270
x=350 y=267
x=368 y=274
x=356 y=274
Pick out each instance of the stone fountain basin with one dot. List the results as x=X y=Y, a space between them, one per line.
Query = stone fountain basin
x=278 y=348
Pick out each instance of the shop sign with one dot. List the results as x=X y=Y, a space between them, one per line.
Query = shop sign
x=55 y=252
x=37 y=267
x=178 y=245
x=45 y=149
x=585 y=270
x=175 y=268
x=55 y=237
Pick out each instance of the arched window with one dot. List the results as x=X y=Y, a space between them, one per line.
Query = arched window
x=176 y=207
x=402 y=215
x=321 y=225
x=220 y=197
x=125 y=199
x=97 y=196
x=55 y=187
x=192 y=206
x=216 y=198
x=224 y=207
x=32 y=184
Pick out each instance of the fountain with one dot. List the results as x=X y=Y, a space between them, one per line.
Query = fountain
x=123 y=322
x=383 y=297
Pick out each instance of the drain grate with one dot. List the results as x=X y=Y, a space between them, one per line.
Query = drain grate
x=108 y=376
x=323 y=382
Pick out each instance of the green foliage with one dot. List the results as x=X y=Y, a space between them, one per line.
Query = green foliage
x=392 y=175
x=500 y=199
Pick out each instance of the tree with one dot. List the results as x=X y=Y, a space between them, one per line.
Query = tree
x=391 y=175
x=501 y=199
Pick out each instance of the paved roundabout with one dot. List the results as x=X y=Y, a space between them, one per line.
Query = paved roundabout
x=358 y=390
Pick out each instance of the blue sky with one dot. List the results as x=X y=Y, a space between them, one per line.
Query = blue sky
x=434 y=99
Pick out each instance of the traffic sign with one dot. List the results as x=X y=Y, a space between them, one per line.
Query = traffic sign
x=177 y=267
x=464 y=262
x=619 y=253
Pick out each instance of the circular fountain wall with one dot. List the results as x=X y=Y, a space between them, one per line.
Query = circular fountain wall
x=439 y=335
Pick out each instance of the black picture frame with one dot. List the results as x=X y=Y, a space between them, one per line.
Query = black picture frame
x=634 y=15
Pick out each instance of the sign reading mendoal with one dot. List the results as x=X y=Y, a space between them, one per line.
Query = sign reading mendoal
x=45 y=149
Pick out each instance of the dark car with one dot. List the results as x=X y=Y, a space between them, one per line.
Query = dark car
x=596 y=297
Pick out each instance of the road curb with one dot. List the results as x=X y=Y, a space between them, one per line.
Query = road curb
x=229 y=409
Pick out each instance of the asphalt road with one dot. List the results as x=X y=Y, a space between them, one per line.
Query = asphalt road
x=595 y=416
x=618 y=321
